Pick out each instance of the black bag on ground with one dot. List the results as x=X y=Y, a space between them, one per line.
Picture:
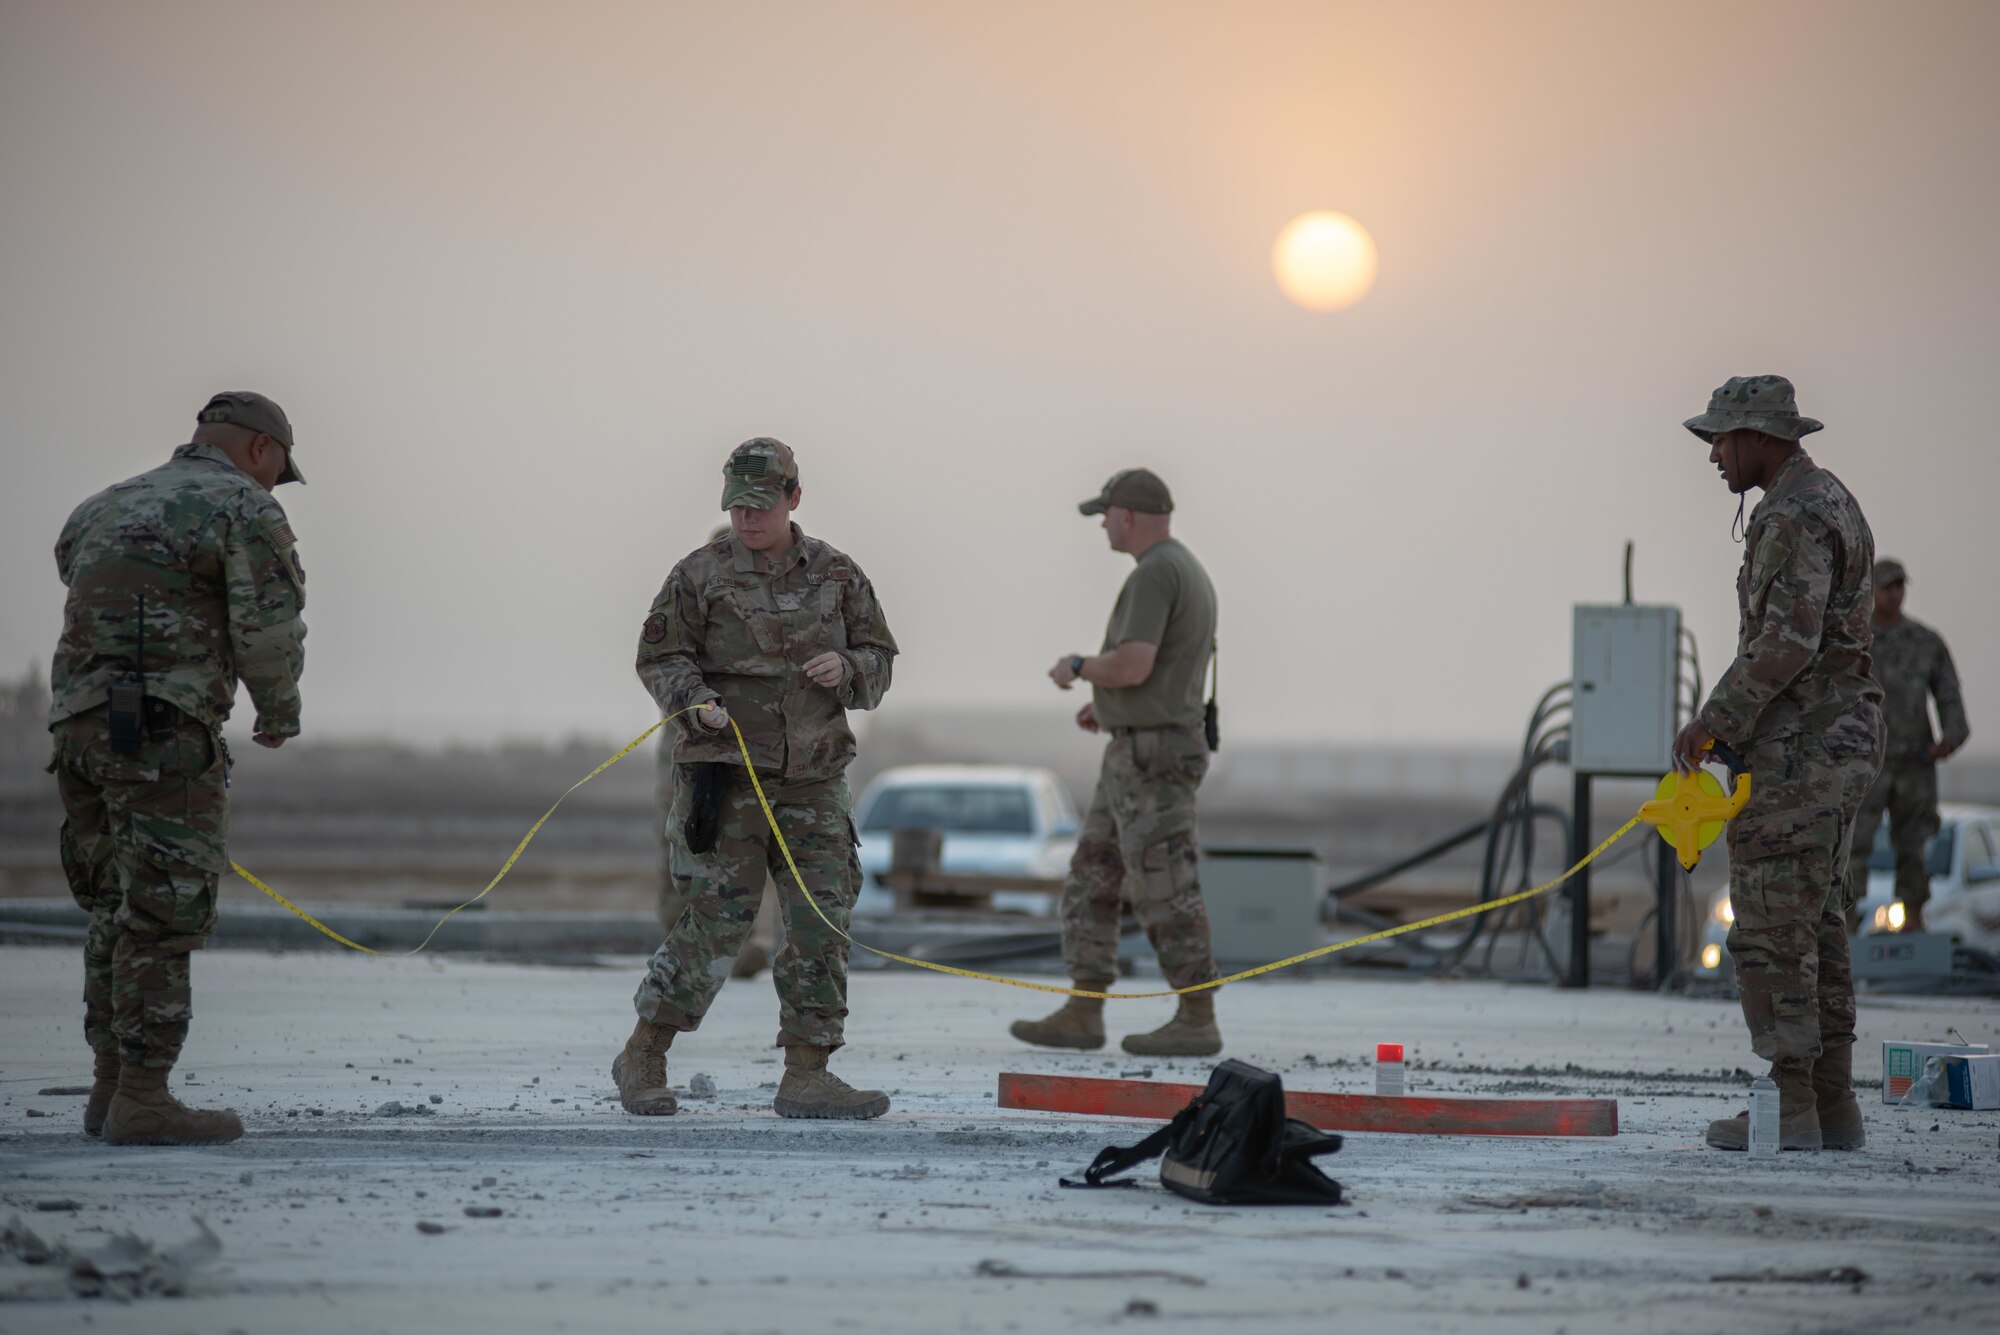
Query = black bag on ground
x=1232 y=1146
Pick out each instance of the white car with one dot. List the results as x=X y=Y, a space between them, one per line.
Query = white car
x=1001 y=820
x=1964 y=862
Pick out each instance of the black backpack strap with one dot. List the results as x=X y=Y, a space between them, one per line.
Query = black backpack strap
x=1114 y=1160
x=1303 y=1140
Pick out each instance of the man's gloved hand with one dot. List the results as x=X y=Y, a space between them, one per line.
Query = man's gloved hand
x=712 y=716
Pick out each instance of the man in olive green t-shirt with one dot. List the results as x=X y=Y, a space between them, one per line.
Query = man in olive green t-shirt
x=1146 y=692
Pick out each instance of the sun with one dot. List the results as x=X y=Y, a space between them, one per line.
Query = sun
x=1324 y=261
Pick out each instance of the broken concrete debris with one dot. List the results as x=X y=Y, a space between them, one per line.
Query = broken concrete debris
x=127 y=1267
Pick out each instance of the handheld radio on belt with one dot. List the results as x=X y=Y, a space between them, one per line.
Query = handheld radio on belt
x=128 y=697
x=1211 y=727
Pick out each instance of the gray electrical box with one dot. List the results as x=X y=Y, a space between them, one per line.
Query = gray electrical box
x=1263 y=903
x=1623 y=687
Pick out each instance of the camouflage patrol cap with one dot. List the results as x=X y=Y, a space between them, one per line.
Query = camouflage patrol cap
x=757 y=473
x=1763 y=403
x=254 y=412
x=1886 y=571
x=1137 y=489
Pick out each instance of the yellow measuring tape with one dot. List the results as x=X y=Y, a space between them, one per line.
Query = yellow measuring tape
x=498 y=876
x=770 y=817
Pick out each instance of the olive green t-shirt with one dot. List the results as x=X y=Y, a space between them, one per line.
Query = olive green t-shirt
x=1167 y=601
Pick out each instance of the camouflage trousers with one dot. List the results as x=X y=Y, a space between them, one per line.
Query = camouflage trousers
x=720 y=908
x=677 y=864
x=1788 y=854
x=143 y=841
x=1907 y=791
x=1138 y=846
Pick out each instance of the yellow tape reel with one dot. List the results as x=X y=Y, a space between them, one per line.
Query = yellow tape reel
x=1689 y=811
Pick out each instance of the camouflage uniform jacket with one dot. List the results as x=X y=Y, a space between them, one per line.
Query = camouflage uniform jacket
x=1803 y=598
x=730 y=625
x=1912 y=664
x=213 y=556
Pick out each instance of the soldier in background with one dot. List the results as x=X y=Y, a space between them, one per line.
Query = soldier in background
x=677 y=868
x=1799 y=705
x=1139 y=837
x=182 y=582
x=782 y=634
x=1913 y=667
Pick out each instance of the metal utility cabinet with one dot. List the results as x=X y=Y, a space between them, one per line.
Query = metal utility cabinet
x=1624 y=667
x=1263 y=903
x=1624 y=712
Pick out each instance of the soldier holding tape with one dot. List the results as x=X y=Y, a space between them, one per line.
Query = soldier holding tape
x=182 y=582
x=1800 y=706
x=677 y=868
x=782 y=634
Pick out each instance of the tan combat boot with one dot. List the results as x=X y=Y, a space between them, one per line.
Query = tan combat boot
x=103 y=1084
x=1833 y=1095
x=640 y=1071
x=1077 y=1023
x=810 y=1090
x=1798 y=1115
x=143 y=1113
x=1191 y=1033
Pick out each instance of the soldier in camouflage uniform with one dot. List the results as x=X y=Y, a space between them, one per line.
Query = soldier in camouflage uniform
x=1138 y=840
x=1800 y=707
x=670 y=791
x=782 y=634
x=202 y=552
x=1913 y=667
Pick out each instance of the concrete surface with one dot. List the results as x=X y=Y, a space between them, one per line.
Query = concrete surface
x=946 y=1216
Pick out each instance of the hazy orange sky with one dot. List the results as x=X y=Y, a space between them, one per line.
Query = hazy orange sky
x=523 y=273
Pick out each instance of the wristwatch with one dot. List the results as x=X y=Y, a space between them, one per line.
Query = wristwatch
x=1076 y=665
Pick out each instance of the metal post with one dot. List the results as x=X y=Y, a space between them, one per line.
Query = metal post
x=1579 y=886
x=1667 y=958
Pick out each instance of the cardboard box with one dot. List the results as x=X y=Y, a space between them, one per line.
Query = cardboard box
x=1973 y=1082
x=1903 y=1061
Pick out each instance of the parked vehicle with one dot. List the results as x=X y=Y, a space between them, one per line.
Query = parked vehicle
x=1001 y=820
x=1963 y=858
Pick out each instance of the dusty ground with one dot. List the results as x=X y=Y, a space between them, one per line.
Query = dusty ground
x=946 y=1216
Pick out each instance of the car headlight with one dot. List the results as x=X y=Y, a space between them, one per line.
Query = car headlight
x=1711 y=956
x=1723 y=912
x=1890 y=917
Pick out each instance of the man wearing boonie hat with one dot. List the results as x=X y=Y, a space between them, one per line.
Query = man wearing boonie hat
x=1138 y=840
x=182 y=582
x=1801 y=708
x=1914 y=667
x=781 y=634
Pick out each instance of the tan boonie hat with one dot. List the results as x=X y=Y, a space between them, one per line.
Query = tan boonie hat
x=1763 y=403
x=1132 y=489
x=254 y=412
x=756 y=474
x=1888 y=570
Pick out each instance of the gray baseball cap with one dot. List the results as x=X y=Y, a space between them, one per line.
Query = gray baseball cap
x=1888 y=570
x=1137 y=489
x=254 y=412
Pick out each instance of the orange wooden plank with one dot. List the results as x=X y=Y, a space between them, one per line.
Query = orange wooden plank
x=1433 y=1115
